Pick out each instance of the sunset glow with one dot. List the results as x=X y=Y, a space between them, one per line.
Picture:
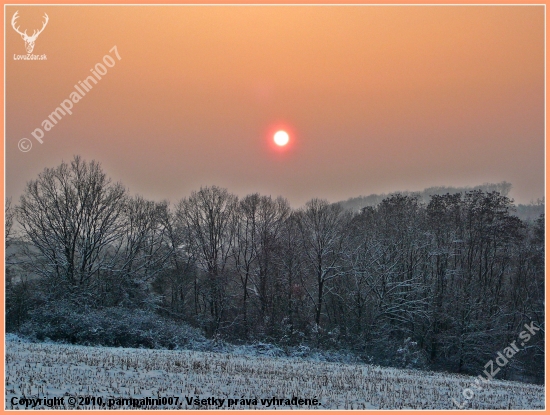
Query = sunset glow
x=374 y=99
x=281 y=138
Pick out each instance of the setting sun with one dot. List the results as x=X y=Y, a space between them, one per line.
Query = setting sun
x=281 y=138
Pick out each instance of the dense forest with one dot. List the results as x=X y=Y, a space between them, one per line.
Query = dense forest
x=441 y=283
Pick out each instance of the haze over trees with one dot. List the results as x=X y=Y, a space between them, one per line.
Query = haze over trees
x=443 y=282
x=529 y=211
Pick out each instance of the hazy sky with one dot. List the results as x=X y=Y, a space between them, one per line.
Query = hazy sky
x=376 y=99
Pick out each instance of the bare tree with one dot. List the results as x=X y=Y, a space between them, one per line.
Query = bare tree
x=209 y=218
x=141 y=252
x=323 y=231
x=244 y=249
x=271 y=216
x=178 y=281
x=8 y=221
x=70 y=216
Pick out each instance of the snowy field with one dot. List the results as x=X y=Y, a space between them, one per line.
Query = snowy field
x=75 y=372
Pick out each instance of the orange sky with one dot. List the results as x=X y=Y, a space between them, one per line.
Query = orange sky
x=377 y=98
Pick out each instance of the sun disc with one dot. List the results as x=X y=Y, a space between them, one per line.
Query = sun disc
x=281 y=138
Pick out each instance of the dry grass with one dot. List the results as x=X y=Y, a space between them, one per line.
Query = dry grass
x=38 y=370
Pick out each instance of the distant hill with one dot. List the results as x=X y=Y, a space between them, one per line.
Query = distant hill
x=531 y=211
x=525 y=212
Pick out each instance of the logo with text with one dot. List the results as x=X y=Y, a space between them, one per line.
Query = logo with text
x=29 y=40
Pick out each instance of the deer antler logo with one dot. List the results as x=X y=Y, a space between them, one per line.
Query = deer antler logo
x=29 y=40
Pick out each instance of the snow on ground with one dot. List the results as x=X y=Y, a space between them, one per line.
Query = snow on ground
x=39 y=370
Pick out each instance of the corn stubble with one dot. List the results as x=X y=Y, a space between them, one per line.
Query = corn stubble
x=38 y=370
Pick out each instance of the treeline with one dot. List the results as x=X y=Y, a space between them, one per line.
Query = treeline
x=527 y=212
x=441 y=285
x=356 y=203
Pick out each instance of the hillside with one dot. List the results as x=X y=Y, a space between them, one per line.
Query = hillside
x=525 y=212
x=209 y=380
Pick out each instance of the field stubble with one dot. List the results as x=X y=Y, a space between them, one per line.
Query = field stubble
x=53 y=370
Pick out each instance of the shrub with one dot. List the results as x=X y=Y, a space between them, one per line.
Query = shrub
x=113 y=326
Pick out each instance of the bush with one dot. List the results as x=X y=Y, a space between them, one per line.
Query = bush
x=411 y=356
x=114 y=326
